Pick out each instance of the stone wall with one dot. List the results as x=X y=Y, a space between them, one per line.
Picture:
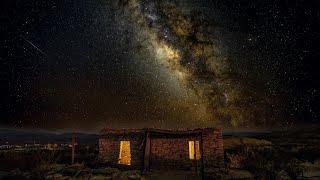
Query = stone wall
x=109 y=148
x=171 y=152
x=165 y=151
x=213 y=154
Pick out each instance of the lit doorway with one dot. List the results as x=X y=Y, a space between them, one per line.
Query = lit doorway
x=194 y=150
x=125 y=153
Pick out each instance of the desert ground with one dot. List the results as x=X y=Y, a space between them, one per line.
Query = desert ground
x=270 y=155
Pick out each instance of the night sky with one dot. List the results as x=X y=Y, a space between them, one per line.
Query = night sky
x=87 y=64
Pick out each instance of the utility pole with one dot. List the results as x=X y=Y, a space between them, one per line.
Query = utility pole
x=73 y=145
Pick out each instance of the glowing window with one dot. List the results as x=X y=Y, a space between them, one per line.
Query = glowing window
x=125 y=153
x=194 y=150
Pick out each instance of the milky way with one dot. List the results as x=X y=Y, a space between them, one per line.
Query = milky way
x=160 y=63
x=184 y=43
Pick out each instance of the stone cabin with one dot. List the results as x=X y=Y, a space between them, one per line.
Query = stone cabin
x=145 y=149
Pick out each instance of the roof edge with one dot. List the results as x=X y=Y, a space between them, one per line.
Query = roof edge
x=155 y=130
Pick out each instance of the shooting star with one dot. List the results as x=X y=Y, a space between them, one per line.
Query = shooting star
x=34 y=46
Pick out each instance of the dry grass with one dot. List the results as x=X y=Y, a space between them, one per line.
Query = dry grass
x=233 y=142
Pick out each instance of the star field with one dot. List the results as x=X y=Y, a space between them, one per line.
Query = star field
x=165 y=64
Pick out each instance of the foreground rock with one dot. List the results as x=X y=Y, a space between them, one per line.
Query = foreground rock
x=100 y=177
x=79 y=172
x=283 y=175
x=238 y=174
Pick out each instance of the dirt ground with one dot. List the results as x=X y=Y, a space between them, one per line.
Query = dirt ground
x=172 y=175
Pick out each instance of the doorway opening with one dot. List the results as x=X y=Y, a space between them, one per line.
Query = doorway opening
x=125 y=153
x=194 y=150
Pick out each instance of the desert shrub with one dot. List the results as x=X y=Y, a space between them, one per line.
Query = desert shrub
x=27 y=160
x=309 y=154
x=44 y=160
x=261 y=165
x=294 y=168
x=10 y=160
x=268 y=162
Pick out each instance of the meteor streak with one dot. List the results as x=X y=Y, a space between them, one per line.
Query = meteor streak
x=34 y=46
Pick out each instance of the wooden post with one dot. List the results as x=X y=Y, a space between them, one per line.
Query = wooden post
x=146 y=160
x=201 y=155
x=195 y=154
x=73 y=144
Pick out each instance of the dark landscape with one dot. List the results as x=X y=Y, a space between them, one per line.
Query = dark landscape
x=248 y=155
x=160 y=89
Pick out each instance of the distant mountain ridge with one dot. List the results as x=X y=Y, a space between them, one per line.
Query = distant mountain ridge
x=17 y=136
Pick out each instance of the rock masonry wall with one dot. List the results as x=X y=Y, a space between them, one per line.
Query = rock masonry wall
x=165 y=151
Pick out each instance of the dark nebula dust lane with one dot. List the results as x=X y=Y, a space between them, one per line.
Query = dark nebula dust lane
x=159 y=63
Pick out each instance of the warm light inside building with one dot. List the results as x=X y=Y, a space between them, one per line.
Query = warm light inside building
x=125 y=153
x=194 y=150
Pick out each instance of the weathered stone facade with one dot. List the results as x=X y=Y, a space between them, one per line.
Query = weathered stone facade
x=154 y=148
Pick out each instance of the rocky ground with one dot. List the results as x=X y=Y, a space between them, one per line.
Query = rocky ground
x=79 y=171
x=278 y=155
x=272 y=156
x=72 y=173
x=62 y=172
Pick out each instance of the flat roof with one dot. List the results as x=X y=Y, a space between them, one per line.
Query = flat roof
x=157 y=131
